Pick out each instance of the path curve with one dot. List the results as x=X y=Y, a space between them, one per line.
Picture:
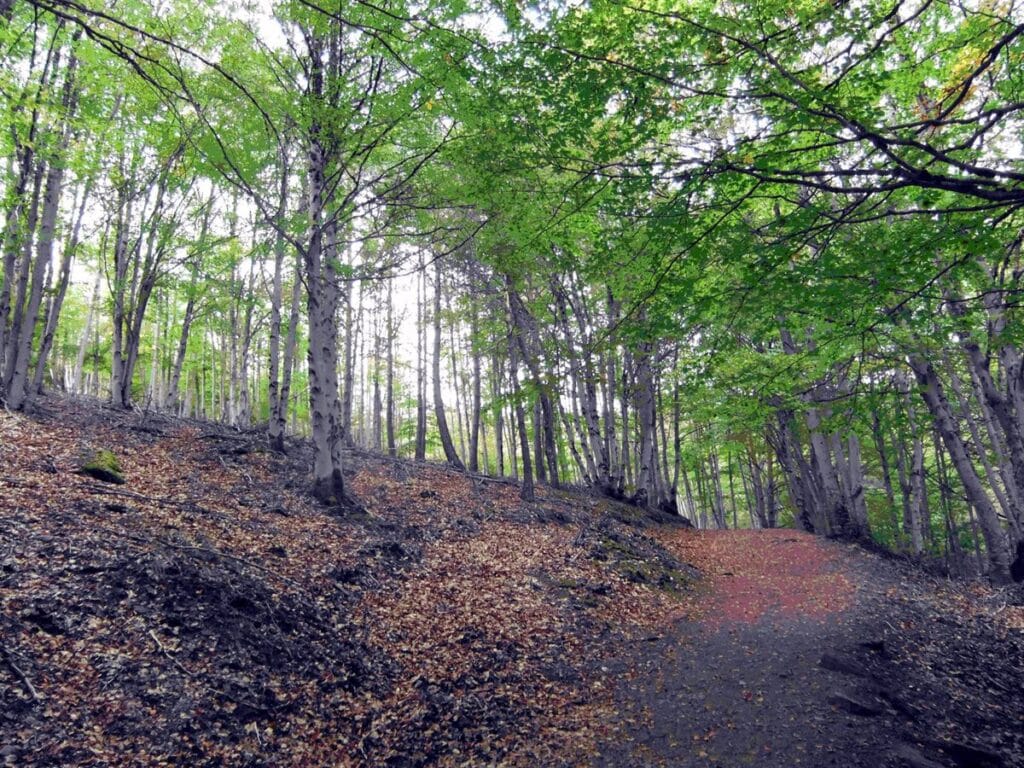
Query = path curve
x=743 y=682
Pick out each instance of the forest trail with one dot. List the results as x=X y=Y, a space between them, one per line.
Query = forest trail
x=761 y=259
x=209 y=612
x=741 y=683
x=792 y=660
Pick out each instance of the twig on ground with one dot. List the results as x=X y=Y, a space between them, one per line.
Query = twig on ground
x=197 y=549
x=142 y=497
x=163 y=650
x=25 y=679
x=160 y=646
x=226 y=556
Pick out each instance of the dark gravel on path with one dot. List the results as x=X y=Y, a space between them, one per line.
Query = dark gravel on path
x=914 y=672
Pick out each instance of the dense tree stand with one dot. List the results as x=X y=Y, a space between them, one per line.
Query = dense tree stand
x=760 y=269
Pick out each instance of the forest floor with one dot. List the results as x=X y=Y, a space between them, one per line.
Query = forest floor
x=208 y=613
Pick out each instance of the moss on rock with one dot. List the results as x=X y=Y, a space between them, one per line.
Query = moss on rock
x=103 y=465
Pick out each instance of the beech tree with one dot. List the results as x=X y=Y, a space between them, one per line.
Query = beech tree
x=755 y=268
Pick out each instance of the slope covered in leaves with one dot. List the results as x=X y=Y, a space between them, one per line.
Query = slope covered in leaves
x=208 y=613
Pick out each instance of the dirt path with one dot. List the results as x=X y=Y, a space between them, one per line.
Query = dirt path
x=210 y=613
x=789 y=664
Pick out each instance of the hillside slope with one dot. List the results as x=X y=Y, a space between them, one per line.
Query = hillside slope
x=207 y=612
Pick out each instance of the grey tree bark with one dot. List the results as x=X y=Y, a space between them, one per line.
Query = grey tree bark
x=519 y=416
x=390 y=414
x=648 y=487
x=319 y=262
x=450 y=454
x=57 y=304
x=474 y=421
x=278 y=409
x=421 y=364
x=934 y=397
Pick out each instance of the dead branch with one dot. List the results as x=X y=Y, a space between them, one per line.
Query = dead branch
x=165 y=652
x=189 y=505
x=141 y=497
x=25 y=679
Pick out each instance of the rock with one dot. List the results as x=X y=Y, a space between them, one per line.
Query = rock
x=854 y=705
x=843 y=665
x=552 y=516
x=875 y=646
x=347 y=575
x=906 y=756
x=971 y=755
x=45 y=620
x=102 y=464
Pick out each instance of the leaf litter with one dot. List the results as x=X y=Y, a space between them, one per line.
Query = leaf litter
x=209 y=613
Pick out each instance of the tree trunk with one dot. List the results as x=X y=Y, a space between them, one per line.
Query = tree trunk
x=390 y=404
x=883 y=460
x=320 y=261
x=18 y=312
x=12 y=244
x=453 y=360
x=17 y=386
x=421 y=364
x=83 y=343
x=277 y=415
x=243 y=416
x=648 y=489
x=757 y=487
x=378 y=400
x=934 y=397
x=442 y=423
x=538 y=449
x=526 y=489
x=499 y=412
x=527 y=337
x=474 y=423
x=348 y=388
x=53 y=315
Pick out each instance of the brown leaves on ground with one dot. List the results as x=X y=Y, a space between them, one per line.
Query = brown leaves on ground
x=209 y=613
x=957 y=653
x=752 y=575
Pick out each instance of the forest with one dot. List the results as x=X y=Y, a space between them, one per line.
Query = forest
x=759 y=267
x=439 y=267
